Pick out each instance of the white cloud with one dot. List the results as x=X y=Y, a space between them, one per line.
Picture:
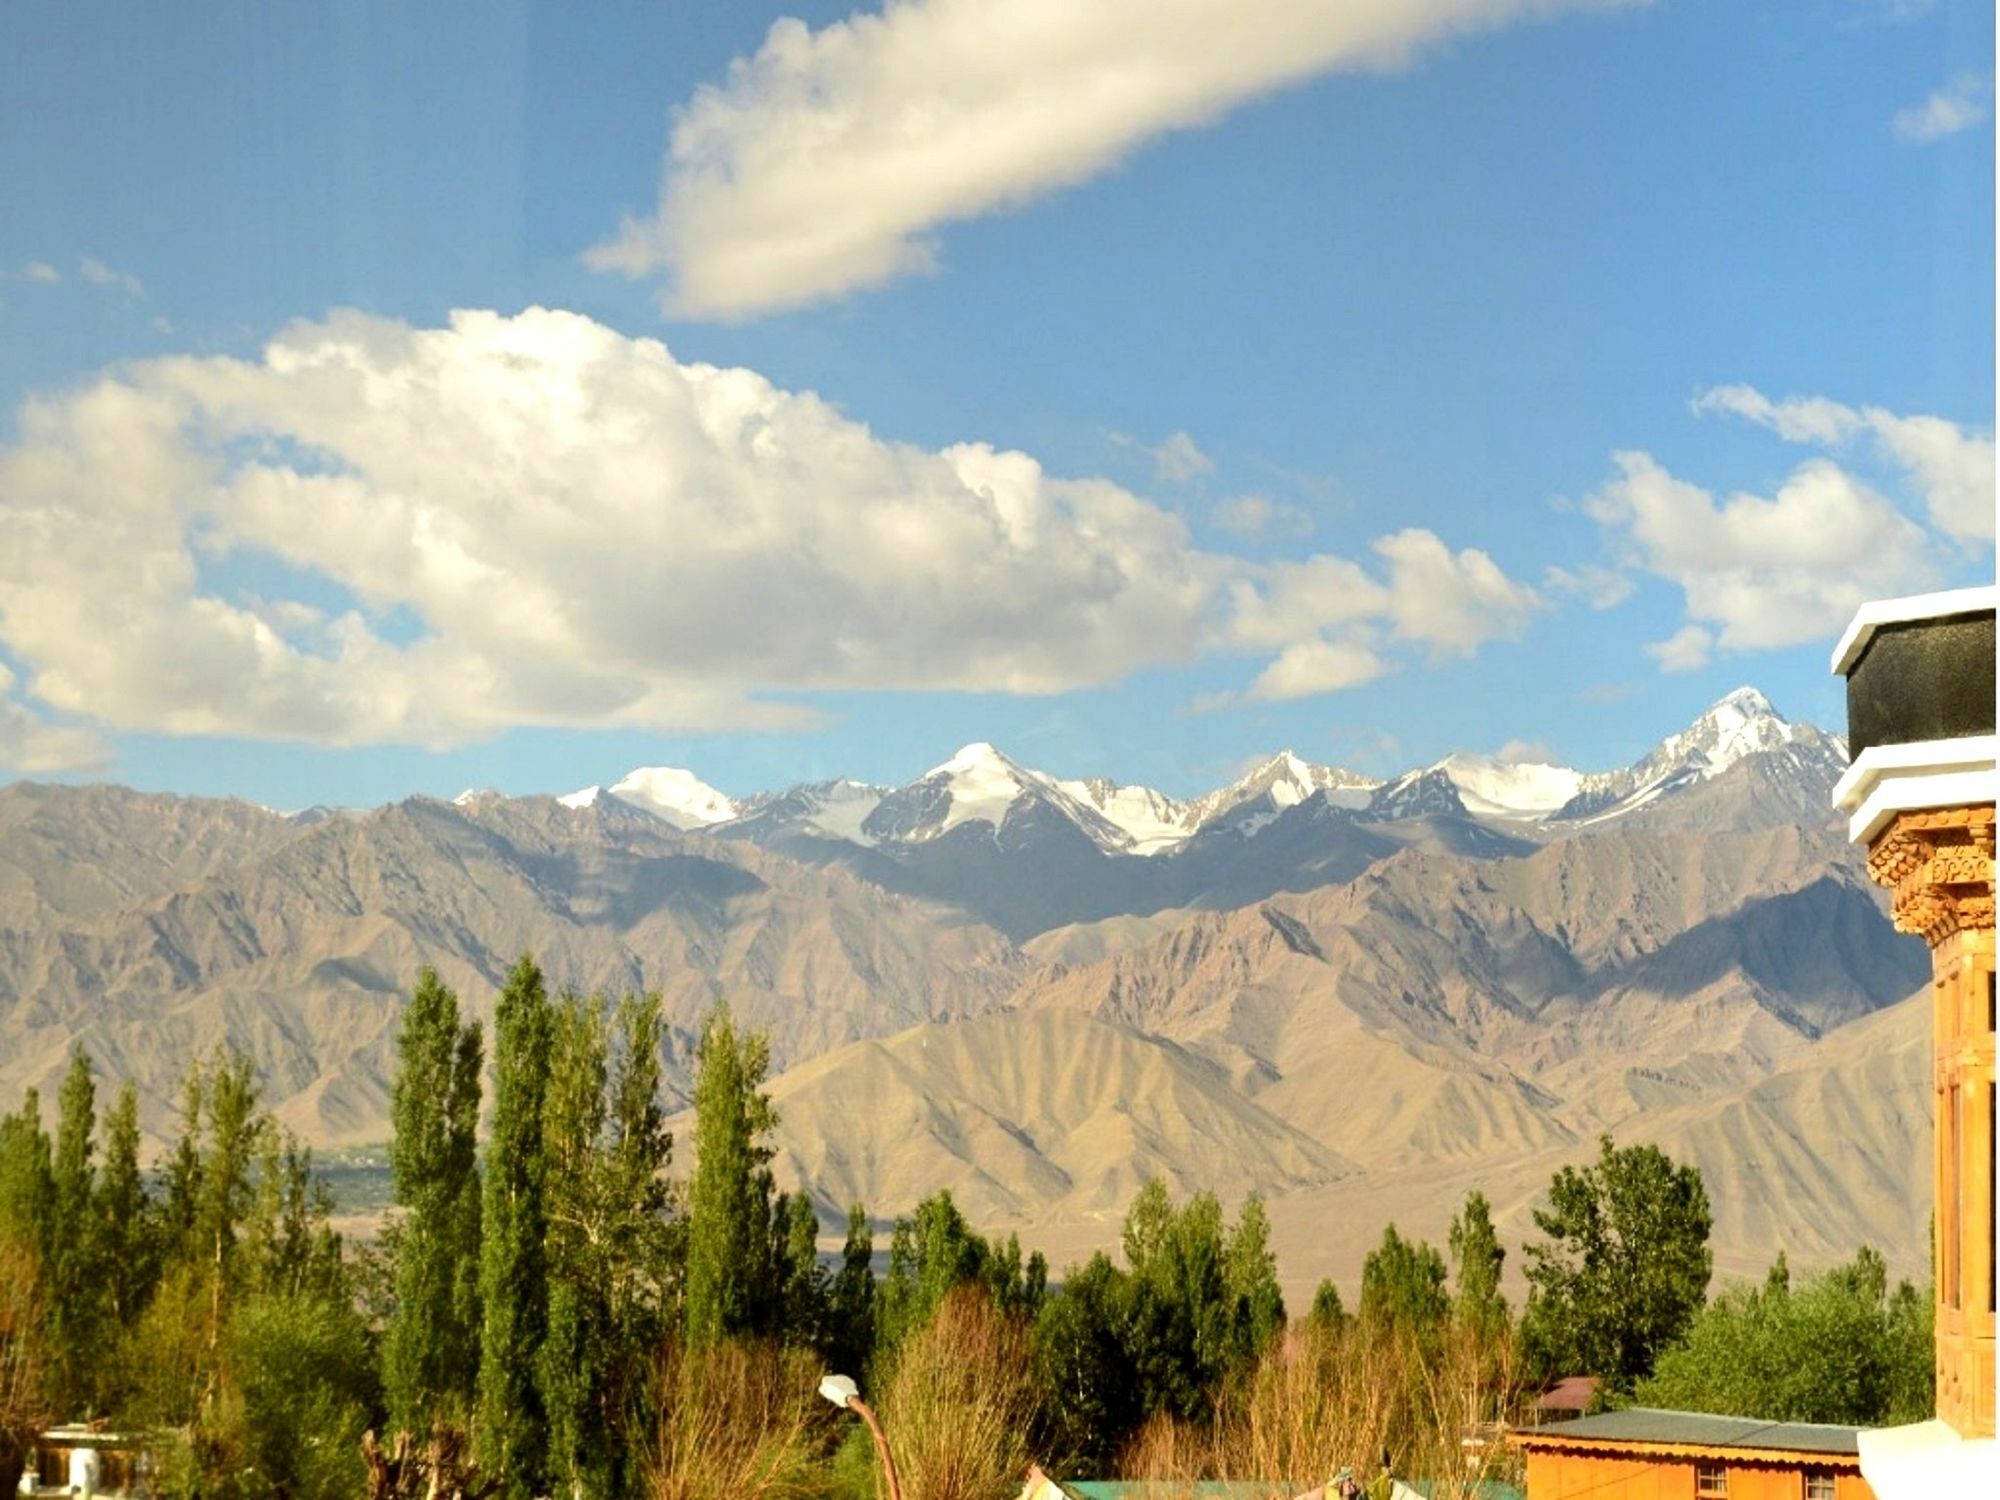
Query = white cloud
x=825 y=162
x=1176 y=459
x=1309 y=668
x=537 y=521
x=1688 y=649
x=1525 y=753
x=1257 y=517
x=1959 y=105
x=1756 y=572
x=1952 y=468
x=97 y=273
x=1451 y=602
x=33 y=747
x=1598 y=587
x=42 y=272
x=1179 y=460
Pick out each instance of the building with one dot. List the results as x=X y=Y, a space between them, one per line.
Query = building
x=1919 y=794
x=1643 y=1454
x=1572 y=1396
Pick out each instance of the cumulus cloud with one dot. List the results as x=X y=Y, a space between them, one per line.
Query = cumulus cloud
x=1959 y=105
x=1761 y=572
x=1688 y=649
x=1259 y=517
x=33 y=747
x=1309 y=668
x=824 y=162
x=535 y=520
x=1452 y=602
x=1952 y=468
x=41 y=272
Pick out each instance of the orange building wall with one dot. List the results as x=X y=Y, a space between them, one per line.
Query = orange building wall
x=1640 y=1476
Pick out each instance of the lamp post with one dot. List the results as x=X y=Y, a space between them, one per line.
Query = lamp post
x=843 y=1392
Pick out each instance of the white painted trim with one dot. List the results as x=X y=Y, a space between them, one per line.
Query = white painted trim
x=1969 y=752
x=1879 y=612
x=1903 y=794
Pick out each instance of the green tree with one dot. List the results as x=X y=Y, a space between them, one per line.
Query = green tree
x=1838 y=1347
x=27 y=1177
x=1091 y=1395
x=431 y=1350
x=1327 y=1312
x=1476 y=1258
x=807 y=1315
x=1184 y=1328
x=130 y=1261
x=851 y=1299
x=1403 y=1286
x=512 y=1430
x=931 y=1252
x=1250 y=1272
x=72 y=1271
x=729 y=1215
x=1625 y=1266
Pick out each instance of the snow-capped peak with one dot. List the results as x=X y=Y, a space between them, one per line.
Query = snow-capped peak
x=669 y=793
x=1733 y=728
x=1286 y=780
x=1740 y=724
x=981 y=785
x=587 y=797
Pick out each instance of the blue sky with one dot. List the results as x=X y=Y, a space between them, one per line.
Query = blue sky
x=1143 y=395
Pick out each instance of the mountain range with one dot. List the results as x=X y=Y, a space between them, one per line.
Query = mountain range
x=1355 y=995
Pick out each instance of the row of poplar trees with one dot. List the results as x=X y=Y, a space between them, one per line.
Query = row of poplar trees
x=534 y=1286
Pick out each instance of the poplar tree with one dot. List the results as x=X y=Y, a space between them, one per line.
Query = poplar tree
x=573 y=1365
x=1251 y=1273
x=729 y=1200
x=27 y=1176
x=431 y=1352
x=130 y=1259
x=71 y=1273
x=1476 y=1259
x=851 y=1299
x=512 y=1432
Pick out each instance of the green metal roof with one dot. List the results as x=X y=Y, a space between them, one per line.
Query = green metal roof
x=1645 y=1424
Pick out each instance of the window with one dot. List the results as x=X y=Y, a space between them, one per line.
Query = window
x=1711 y=1479
x=1819 y=1484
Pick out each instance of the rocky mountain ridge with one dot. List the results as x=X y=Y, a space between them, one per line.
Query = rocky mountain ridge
x=1339 y=992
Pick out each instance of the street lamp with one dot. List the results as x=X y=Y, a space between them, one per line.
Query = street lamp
x=843 y=1392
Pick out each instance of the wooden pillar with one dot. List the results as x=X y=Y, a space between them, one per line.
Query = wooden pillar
x=1939 y=864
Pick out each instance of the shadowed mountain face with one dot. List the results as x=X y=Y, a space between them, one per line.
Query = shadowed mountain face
x=1357 y=998
x=301 y=948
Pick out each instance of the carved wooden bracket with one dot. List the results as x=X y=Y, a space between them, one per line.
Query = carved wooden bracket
x=1939 y=864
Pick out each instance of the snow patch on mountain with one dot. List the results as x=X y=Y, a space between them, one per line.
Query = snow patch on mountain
x=1509 y=789
x=673 y=795
x=838 y=809
x=1152 y=820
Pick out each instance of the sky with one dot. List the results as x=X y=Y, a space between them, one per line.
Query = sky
x=396 y=399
